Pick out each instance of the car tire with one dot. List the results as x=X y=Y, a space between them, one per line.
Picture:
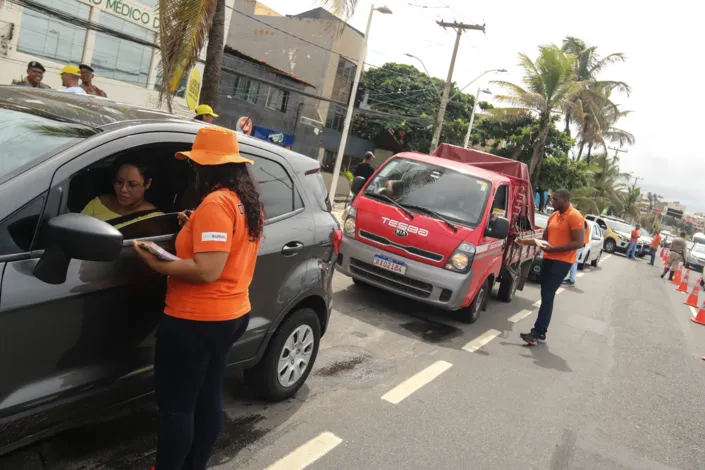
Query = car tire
x=596 y=261
x=610 y=246
x=265 y=378
x=507 y=288
x=471 y=313
x=581 y=266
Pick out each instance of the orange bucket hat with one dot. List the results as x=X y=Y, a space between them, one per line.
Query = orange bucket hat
x=214 y=146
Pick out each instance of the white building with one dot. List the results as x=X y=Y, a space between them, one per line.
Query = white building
x=126 y=70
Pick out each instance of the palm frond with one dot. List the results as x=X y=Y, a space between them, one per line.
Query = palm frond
x=183 y=31
x=341 y=8
x=600 y=64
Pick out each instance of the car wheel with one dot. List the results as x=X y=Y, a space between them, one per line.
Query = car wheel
x=289 y=357
x=507 y=288
x=610 y=246
x=596 y=261
x=581 y=266
x=471 y=313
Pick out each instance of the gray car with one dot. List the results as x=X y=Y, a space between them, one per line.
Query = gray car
x=78 y=310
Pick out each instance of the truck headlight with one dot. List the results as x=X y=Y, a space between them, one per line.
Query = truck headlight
x=461 y=259
x=349 y=225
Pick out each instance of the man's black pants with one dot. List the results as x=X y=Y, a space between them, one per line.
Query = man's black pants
x=552 y=274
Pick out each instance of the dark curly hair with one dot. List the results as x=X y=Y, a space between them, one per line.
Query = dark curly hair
x=237 y=178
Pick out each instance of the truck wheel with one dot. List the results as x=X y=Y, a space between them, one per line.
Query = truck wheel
x=507 y=288
x=289 y=357
x=471 y=313
x=596 y=261
x=610 y=245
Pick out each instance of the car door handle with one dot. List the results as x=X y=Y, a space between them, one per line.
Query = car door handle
x=292 y=248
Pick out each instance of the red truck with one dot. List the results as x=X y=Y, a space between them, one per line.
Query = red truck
x=440 y=229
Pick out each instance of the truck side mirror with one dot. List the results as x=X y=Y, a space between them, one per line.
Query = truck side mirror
x=497 y=228
x=357 y=184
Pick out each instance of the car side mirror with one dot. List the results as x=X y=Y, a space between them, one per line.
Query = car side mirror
x=75 y=236
x=357 y=184
x=497 y=228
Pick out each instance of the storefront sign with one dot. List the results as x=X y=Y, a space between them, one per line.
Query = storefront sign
x=193 y=89
x=134 y=12
x=285 y=140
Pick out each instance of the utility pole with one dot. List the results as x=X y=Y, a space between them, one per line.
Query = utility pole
x=440 y=117
x=616 y=152
x=636 y=178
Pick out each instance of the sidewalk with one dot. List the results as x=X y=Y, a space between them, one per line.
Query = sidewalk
x=337 y=211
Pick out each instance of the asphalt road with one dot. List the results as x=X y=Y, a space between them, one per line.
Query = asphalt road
x=619 y=385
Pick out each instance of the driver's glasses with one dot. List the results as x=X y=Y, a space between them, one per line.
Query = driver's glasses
x=130 y=185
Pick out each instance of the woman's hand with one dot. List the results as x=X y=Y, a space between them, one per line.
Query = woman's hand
x=184 y=216
x=147 y=256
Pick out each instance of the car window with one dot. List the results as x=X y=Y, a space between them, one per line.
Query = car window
x=318 y=188
x=161 y=225
x=541 y=220
x=17 y=231
x=500 y=199
x=27 y=139
x=276 y=188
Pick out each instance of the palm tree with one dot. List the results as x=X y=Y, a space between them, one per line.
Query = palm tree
x=608 y=181
x=629 y=203
x=550 y=87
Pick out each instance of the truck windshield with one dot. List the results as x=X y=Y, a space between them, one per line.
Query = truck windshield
x=455 y=196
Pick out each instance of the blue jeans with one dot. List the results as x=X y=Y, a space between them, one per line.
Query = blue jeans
x=574 y=267
x=652 y=251
x=552 y=274
x=631 y=250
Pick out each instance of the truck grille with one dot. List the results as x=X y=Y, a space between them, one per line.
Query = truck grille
x=409 y=249
x=394 y=280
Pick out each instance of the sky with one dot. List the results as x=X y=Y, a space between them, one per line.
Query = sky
x=660 y=41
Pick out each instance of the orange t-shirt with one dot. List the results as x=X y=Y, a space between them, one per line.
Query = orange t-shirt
x=656 y=241
x=560 y=228
x=635 y=236
x=218 y=224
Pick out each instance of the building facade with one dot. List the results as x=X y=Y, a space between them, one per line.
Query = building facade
x=55 y=33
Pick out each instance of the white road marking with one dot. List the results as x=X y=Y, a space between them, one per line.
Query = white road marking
x=606 y=257
x=537 y=303
x=693 y=310
x=481 y=340
x=560 y=289
x=519 y=316
x=415 y=382
x=308 y=453
x=580 y=275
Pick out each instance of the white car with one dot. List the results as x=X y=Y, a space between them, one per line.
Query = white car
x=593 y=250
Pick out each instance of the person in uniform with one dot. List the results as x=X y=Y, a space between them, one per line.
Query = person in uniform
x=87 y=76
x=676 y=255
x=205 y=113
x=35 y=74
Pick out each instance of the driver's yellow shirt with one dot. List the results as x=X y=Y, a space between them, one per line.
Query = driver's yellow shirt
x=97 y=209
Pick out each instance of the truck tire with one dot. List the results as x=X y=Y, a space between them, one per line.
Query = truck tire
x=471 y=313
x=265 y=377
x=507 y=288
x=610 y=245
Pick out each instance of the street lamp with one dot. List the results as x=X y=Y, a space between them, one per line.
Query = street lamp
x=351 y=102
x=438 y=92
x=472 y=115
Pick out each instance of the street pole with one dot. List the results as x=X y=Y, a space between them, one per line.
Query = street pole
x=616 y=152
x=472 y=115
x=440 y=116
x=351 y=103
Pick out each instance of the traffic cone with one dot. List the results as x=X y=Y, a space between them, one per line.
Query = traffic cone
x=683 y=287
x=692 y=299
x=677 y=277
x=700 y=316
x=687 y=275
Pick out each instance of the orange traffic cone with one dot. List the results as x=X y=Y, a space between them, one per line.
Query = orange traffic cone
x=687 y=275
x=683 y=287
x=677 y=277
x=700 y=316
x=692 y=299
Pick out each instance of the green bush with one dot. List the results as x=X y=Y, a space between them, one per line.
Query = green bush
x=349 y=175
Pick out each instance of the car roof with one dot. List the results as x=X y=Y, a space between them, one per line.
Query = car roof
x=105 y=114
x=460 y=167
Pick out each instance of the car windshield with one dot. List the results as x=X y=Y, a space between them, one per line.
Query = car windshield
x=453 y=195
x=541 y=220
x=644 y=233
x=27 y=138
x=619 y=226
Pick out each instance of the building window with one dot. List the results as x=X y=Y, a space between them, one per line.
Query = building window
x=344 y=77
x=246 y=89
x=277 y=99
x=44 y=36
x=336 y=117
x=180 y=89
x=121 y=59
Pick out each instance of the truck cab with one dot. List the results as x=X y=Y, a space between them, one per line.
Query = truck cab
x=439 y=231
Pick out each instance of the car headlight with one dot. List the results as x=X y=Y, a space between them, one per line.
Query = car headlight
x=349 y=226
x=461 y=259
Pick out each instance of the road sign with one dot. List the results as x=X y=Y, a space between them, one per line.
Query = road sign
x=244 y=124
x=193 y=89
x=674 y=213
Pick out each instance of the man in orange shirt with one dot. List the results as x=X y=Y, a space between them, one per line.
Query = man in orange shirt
x=565 y=234
x=654 y=246
x=633 y=242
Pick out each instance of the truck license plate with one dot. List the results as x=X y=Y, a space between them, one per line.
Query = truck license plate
x=390 y=264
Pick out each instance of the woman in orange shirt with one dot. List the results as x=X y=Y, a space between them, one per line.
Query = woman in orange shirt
x=207 y=300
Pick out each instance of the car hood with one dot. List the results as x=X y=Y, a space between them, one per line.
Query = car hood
x=624 y=234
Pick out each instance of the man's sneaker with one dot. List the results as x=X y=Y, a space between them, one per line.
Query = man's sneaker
x=532 y=338
x=568 y=283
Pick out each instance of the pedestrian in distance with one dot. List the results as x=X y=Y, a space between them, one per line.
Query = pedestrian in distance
x=205 y=113
x=35 y=74
x=207 y=300
x=564 y=234
x=70 y=76
x=365 y=169
x=633 y=242
x=87 y=76
x=676 y=255
x=573 y=274
x=655 y=243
